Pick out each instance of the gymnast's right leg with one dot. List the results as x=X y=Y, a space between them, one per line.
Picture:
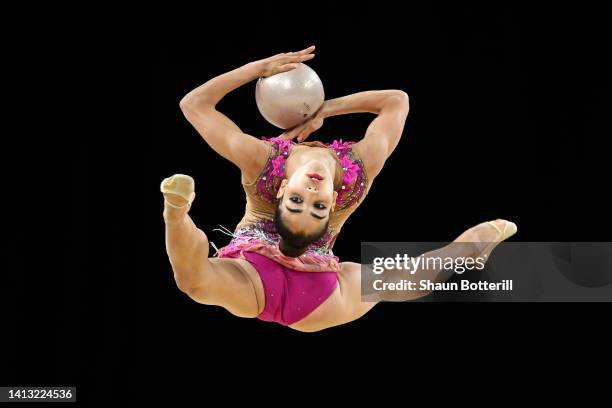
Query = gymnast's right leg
x=230 y=283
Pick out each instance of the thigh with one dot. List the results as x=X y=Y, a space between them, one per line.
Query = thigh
x=233 y=284
x=349 y=282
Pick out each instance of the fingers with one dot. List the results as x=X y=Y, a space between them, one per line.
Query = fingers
x=305 y=131
x=307 y=50
x=296 y=56
x=303 y=52
x=285 y=68
x=311 y=126
x=286 y=135
x=288 y=63
x=303 y=135
x=300 y=133
x=291 y=133
x=294 y=59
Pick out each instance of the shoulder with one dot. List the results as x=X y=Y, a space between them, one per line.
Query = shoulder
x=269 y=172
x=280 y=146
x=373 y=157
x=354 y=176
x=256 y=156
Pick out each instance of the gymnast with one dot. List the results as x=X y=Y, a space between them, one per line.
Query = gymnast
x=279 y=265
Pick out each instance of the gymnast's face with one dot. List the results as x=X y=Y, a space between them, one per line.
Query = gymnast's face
x=308 y=197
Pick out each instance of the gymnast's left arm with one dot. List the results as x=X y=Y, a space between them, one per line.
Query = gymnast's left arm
x=382 y=136
x=383 y=133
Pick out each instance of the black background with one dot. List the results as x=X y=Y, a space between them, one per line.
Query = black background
x=509 y=118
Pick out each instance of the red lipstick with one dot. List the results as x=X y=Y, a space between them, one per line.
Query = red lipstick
x=315 y=176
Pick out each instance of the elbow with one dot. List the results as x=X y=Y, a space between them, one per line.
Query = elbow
x=187 y=103
x=195 y=101
x=398 y=101
x=192 y=107
x=398 y=93
x=401 y=97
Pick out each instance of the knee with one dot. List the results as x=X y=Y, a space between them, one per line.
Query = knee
x=184 y=285
x=197 y=293
x=191 y=282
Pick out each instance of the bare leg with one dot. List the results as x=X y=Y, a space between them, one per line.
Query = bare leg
x=230 y=283
x=347 y=302
x=186 y=244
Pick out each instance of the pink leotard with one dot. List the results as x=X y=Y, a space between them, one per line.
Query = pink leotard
x=294 y=287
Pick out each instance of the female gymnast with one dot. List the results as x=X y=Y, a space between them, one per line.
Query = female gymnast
x=279 y=266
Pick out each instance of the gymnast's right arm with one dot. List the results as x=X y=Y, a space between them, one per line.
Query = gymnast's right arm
x=223 y=135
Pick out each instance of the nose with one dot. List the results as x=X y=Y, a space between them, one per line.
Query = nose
x=311 y=189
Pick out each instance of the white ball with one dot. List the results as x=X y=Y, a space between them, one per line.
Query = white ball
x=289 y=98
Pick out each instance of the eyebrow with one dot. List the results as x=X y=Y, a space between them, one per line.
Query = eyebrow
x=297 y=210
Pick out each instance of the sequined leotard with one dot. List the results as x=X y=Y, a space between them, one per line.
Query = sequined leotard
x=256 y=239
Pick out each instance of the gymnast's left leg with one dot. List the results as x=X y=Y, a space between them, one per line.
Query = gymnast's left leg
x=346 y=303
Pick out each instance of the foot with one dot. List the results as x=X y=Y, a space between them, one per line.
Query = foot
x=178 y=191
x=488 y=235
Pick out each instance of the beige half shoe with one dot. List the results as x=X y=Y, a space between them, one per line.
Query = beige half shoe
x=181 y=185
